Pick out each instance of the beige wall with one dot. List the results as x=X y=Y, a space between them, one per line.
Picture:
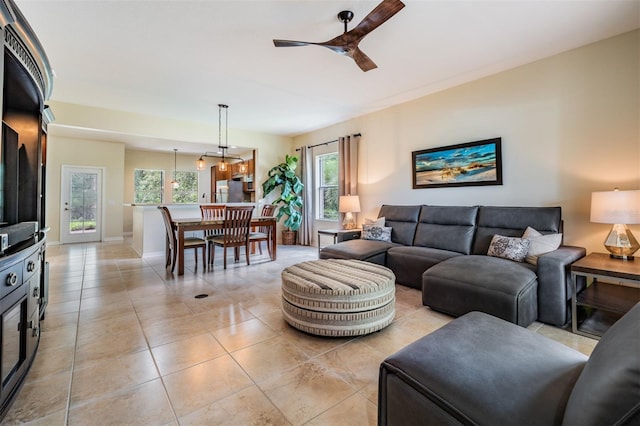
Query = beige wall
x=108 y=120
x=75 y=152
x=569 y=126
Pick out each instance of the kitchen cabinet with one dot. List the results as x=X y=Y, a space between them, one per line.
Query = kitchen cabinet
x=220 y=186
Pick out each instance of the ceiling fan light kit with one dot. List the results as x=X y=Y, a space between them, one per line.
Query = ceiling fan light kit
x=347 y=43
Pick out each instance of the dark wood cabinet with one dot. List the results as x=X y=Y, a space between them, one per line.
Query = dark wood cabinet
x=20 y=279
x=26 y=84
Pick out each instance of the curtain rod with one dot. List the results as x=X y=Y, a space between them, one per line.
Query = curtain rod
x=327 y=143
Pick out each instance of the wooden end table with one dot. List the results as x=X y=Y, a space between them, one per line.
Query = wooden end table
x=612 y=289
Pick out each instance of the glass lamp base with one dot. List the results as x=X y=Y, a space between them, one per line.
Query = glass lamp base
x=621 y=243
x=348 y=222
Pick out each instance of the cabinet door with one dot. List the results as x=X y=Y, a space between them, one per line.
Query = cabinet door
x=33 y=296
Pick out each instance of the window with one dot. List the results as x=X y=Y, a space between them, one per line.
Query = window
x=148 y=186
x=327 y=186
x=187 y=190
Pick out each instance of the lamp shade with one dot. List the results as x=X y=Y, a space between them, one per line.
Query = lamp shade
x=349 y=203
x=615 y=207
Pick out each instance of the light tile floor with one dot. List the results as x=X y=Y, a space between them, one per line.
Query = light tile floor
x=126 y=342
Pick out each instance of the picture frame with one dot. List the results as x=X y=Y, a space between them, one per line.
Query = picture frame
x=477 y=163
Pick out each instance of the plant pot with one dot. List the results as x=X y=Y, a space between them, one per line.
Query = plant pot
x=288 y=238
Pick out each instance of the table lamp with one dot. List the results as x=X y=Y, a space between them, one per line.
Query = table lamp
x=348 y=205
x=619 y=208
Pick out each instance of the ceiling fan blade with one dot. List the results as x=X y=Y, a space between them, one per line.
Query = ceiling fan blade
x=378 y=16
x=364 y=62
x=290 y=43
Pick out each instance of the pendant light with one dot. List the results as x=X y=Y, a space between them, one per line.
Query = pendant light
x=222 y=165
x=174 y=183
x=200 y=163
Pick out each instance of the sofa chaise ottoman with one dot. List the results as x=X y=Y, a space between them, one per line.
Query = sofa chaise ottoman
x=480 y=370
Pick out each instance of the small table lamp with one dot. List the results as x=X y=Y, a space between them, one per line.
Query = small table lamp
x=349 y=204
x=618 y=208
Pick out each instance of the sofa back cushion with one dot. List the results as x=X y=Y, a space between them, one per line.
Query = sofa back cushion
x=403 y=220
x=512 y=222
x=446 y=228
x=608 y=389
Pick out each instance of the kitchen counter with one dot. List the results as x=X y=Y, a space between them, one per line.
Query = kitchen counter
x=149 y=235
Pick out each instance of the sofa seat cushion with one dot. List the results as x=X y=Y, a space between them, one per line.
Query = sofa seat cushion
x=369 y=250
x=500 y=287
x=409 y=263
x=478 y=370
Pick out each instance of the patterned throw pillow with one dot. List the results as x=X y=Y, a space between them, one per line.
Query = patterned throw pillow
x=379 y=233
x=508 y=248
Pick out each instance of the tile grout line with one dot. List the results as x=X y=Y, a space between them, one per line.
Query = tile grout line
x=75 y=344
x=146 y=339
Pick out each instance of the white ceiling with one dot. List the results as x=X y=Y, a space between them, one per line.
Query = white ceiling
x=181 y=58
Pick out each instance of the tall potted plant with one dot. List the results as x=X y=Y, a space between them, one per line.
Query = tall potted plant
x=283 y=177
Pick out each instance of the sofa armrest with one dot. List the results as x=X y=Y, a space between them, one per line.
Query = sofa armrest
x=554 y=283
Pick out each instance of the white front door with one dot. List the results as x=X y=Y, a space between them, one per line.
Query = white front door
x=81 y=205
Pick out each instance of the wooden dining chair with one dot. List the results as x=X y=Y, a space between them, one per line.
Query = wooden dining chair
x=263 y=233
x=172 y=241
x=237 y=222
x=215 y=212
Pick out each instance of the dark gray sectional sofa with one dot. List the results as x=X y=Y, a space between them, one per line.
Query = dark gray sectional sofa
x=442 y=251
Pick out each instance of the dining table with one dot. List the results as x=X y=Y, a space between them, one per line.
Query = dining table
x=199 y=224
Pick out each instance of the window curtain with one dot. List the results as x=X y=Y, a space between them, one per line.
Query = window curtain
x=348 y=166
x=306 y=174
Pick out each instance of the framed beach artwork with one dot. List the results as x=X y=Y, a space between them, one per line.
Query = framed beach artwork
x=467 y=164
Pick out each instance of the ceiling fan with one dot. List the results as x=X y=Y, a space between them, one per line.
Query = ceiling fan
x=347 y=43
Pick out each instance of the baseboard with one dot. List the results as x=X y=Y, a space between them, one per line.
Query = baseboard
x=152 y=254
x=108 y=239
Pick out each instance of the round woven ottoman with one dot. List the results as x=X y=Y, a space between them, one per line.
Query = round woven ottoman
x=336 y=297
